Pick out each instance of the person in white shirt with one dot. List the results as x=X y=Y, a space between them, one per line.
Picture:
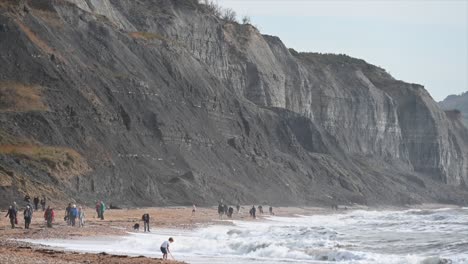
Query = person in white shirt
x=165 y=247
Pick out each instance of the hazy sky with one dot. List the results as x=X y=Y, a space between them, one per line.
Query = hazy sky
x=417 y=41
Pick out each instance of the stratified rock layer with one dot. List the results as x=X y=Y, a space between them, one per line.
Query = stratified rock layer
x=159 y=102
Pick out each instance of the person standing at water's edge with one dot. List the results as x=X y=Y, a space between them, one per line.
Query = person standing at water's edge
x=165 y=247
x=230 y=212
x=220 y=210
x=260 y=209
x=253 y=211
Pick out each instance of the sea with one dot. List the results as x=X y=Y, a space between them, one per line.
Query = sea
x=417 y=236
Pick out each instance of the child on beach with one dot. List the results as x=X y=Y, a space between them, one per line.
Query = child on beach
x=165 y=247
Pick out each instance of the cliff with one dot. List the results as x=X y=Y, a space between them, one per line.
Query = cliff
x=160 y=102
x=457 y=102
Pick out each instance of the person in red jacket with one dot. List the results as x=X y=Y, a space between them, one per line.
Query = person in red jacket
x=49 y=216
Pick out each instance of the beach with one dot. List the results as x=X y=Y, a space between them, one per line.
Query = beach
x=411 y=235
x=117 y=223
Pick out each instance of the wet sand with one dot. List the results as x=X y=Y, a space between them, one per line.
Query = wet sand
x=116 y=223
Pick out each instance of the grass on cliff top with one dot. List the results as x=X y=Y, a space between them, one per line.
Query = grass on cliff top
x=18 y=97
x=329 y=58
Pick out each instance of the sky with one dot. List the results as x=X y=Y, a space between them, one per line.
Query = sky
x=417 y=41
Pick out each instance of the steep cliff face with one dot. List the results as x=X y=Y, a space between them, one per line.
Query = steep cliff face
x=160 y=102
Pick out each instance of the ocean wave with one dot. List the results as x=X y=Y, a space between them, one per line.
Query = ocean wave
x=333 y=255
x=436 y=260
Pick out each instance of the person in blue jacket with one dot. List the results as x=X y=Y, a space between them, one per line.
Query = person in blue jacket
x=73 y=214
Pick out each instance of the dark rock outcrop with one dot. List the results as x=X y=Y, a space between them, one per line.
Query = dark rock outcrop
x=158 y=102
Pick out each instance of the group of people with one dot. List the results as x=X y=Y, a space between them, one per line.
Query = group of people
x=72 y=214
x=253 y=211
x=13 y=215
x=29 y=211
x=224 y=209
x=37 y=201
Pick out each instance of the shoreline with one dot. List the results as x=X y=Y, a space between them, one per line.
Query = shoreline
x=119 y=222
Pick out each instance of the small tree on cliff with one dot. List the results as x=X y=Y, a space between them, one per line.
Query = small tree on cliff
x=213 y=8
x=246 y=20
x=229 y=15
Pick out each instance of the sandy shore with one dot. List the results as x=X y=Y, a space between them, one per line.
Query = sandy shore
x=116 y=223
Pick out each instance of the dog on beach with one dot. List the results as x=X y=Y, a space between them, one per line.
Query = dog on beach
x=136 y=227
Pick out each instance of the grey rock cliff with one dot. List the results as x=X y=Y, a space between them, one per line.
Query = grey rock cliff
x=160 y=102
x=457 y=102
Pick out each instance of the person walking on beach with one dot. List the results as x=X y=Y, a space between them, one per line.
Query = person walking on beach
x=15 y=207
x=220 y=210
x=49 y=216
x=31 y=208
x=271 y=211
x=225 y=209
x=98 y=209
x=194 y=209
x=36 y=203
x=230 y=212
x=260 y=209
x=252 y=212
x=67 y=214
x=165 y=247
x=238 y=208
x=73 y=215
x=43 y=203
x=81 y=216
x=102 y=208
x=27 y=216
x=146 y=219
x=12 y=214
